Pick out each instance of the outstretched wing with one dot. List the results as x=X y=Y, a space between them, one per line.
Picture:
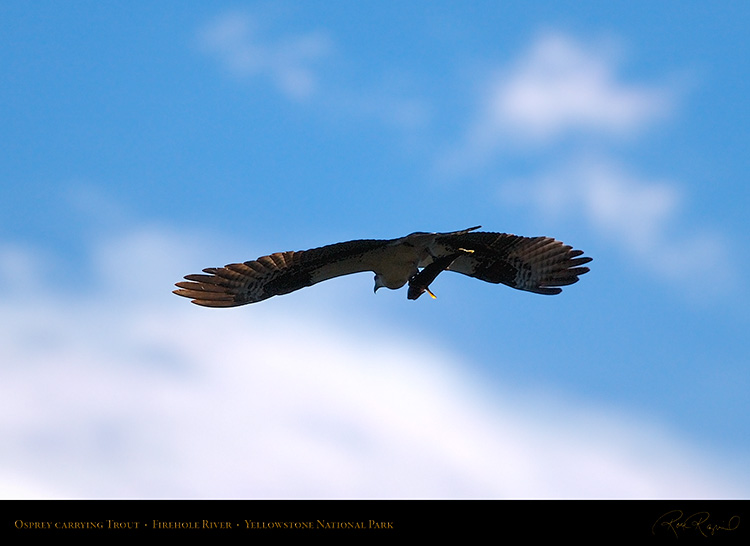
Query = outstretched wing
x=536 y=264
x=279 y=273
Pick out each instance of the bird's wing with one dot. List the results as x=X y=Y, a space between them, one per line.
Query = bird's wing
x=536 y=264
x=279 y=273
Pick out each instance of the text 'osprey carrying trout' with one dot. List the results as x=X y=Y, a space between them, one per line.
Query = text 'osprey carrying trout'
x=535 y=264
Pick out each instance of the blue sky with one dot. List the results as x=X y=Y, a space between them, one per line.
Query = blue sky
x=144 y=141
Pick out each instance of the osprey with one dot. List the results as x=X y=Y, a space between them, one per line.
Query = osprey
x=536 y=264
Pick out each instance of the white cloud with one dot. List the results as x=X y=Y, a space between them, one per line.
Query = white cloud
x=559 y=87
x=128 y=391
x=288 y=62
x=642 y=217
x=562 y=85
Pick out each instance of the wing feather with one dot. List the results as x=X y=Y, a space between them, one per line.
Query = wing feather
x=278 y=273
x=535 y=264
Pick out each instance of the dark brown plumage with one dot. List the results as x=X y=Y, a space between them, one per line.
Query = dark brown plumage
x=535 y=264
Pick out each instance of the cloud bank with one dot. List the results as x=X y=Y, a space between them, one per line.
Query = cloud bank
x=125 y=391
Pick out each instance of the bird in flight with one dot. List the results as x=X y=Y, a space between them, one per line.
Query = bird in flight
x=535 y=264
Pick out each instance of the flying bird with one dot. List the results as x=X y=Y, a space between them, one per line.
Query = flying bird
x=535 y=264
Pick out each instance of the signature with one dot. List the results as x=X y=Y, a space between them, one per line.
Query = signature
x=676 y=522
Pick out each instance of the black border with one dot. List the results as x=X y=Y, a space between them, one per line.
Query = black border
x=276 y=521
